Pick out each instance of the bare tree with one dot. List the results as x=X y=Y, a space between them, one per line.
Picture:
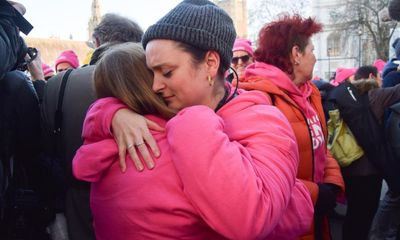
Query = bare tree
x=363 y=18
x=265 y=11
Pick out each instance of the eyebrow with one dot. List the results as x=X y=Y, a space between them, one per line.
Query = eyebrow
x=160 y=66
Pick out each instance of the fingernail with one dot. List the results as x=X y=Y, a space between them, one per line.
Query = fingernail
x=157 y=154
x=151 y=165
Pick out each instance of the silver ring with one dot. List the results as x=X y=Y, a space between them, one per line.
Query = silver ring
x=138 y=144
x=129 y=146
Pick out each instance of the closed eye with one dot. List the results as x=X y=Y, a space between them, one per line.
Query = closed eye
x=167 y=74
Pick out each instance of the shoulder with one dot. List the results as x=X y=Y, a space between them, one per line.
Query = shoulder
x=81 y=74
x=251 y=97
x=86 y=71
x=79 y=85
x=15 y=77
x=252 y=108
x=391 y=79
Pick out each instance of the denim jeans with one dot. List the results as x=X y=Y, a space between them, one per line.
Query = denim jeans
x=386 y=224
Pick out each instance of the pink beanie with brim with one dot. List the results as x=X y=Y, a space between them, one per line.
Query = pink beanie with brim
x=242 y=44
x=379 y=64
x=47 y=69
x=68 y=56
x=343 y=74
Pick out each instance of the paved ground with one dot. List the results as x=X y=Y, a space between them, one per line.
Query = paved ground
x=336 y=222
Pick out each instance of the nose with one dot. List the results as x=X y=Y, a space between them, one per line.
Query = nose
x=157 y=84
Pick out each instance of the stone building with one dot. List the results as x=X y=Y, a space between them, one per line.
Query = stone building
x=95 y=18
x=237 y=9
x=333 y=48
x=50 y=48
x=340 y=47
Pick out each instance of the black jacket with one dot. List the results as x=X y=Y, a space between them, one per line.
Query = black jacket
x=12 y=46
x=19 y=136
x=362 y=111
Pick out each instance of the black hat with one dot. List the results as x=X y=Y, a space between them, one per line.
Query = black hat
x=199 y=23
x=9 y=11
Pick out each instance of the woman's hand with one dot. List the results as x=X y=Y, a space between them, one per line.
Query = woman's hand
x=35 y=67
x=131 y=132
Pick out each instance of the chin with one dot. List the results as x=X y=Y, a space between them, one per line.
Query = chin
x=174 y=107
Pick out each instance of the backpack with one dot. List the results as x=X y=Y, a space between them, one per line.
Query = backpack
x=355 y=111
x=341 y=141
x=393 y=129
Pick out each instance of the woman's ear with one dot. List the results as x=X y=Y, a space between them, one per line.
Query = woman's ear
x=295 y=55
x=96 y=42
x=371 y=76
x=212 y=62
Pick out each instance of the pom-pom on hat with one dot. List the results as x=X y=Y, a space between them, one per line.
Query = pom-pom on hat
x=242 y=44
x=199 y=23
x=68 y=56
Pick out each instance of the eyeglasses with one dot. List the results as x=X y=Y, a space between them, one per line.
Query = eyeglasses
x=244 y=58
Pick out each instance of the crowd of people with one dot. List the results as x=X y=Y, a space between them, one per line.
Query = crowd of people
x=185 y=131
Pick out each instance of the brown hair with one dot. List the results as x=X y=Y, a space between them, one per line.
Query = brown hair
x=122 y=73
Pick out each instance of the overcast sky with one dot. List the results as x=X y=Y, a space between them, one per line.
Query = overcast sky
x=60 y=18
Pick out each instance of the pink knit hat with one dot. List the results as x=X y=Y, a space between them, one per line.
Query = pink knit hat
x=242 y=44
x=47 y=69
x=379 y=64
x=342 y=74
x=68 y=56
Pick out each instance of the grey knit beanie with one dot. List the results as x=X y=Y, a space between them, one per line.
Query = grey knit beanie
x=199 y=23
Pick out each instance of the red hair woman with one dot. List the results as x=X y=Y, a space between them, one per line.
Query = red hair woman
x=283 y=69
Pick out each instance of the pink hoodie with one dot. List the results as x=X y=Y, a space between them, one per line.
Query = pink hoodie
x=301 y=96
x=227 y=175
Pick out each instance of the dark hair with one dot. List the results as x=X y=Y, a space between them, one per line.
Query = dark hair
x=198 y=56
x=115 y=28
x=276 y=40
x=364 y=72
x=122 y=73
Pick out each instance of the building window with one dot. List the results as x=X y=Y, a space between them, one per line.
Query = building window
x=333 y=45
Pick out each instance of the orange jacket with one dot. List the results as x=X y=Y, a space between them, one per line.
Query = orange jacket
x=299 y=124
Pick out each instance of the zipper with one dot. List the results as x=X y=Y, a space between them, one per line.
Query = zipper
x=351 y=94
x=309 y=133
x=312 y=148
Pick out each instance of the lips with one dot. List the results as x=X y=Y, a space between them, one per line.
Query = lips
x=167 y=98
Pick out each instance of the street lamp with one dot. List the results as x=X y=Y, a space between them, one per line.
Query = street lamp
x=329 y=63
x=360 y=32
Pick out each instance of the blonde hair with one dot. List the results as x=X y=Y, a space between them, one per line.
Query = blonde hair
x=121 y=72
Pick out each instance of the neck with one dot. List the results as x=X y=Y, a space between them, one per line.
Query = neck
x=217 y=95
x=298 y=83
x=296 y=80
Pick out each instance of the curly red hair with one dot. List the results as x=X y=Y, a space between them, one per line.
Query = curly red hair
x=276 y=40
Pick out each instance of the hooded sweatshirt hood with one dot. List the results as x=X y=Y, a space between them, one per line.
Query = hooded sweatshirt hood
x=298 y=94
x=272 y=80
